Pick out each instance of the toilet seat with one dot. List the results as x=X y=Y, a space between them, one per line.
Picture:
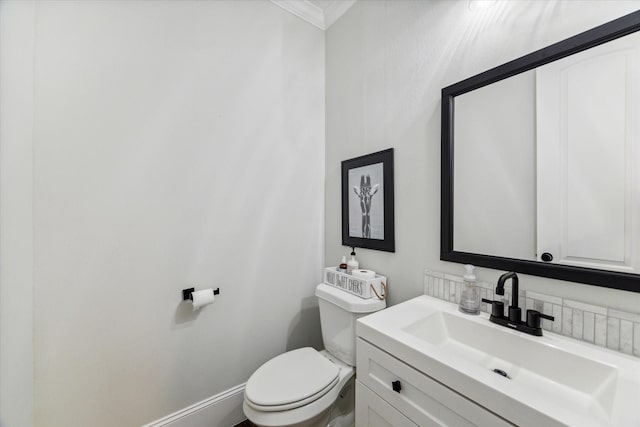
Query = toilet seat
x=313 y=408
x=291 y=380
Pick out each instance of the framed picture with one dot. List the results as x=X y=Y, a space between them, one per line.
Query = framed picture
x=367 y=202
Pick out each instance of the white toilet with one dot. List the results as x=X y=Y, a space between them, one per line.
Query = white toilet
x=300 y=387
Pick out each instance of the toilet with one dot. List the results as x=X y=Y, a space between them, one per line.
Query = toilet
x=304 y=387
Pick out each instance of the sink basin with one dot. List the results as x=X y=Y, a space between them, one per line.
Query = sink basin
x=531 y=381
x=543 y=369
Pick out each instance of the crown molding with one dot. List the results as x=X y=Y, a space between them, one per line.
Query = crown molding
x=335 y=10
x=321 y=18
x=303 y=9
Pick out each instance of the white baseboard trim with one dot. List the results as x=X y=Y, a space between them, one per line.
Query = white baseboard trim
x=222 y=410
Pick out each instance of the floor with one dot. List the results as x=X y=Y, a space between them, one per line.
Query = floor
x=245 y=423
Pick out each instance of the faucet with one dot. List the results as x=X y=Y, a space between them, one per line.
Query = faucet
x=515 y=313
x=514 y=319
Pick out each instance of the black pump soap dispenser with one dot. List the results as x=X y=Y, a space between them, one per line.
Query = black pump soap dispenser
x=353 y=263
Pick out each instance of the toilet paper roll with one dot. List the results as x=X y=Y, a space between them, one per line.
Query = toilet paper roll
x=202 y=298
x=364 y=274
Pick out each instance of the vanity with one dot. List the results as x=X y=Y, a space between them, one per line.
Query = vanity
x=423 y=363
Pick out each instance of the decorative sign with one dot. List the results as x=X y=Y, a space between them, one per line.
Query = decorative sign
x=364 y=288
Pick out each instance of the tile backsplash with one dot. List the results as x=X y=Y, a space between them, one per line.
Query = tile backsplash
x=602 y=326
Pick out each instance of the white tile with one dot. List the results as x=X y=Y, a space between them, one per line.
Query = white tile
x=445 y=293
x=437 y=274
x=543 y=297
x=486 y=285
x=626 y=336
x=452 y=277
x=484 y=306
x=557 y=322
x=567 y=320
x=506 y=300
x=538 y=305
x=576 y=331
x=547 y=308
x=427 y=272
x=430 y=286
x=631 y=317
x=636 y=339
x=440 y=288
x=586 y=307
x=601 y=330
x=613 y=333
x=452 y=291
x=589 y=326
x=529 y=304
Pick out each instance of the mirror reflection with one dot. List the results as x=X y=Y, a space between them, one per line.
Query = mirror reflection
x=547 y=162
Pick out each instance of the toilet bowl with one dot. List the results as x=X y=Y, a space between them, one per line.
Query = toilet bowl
x=296 y=388
x=300 y=387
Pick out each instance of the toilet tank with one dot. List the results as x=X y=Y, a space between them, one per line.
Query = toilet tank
x=339 y=311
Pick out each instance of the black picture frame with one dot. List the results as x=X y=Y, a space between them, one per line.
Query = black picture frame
x=365 y=174
x=610 y=279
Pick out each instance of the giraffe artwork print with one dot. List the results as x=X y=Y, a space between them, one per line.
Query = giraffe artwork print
x=365 y=192
x=367 y=201
x=366 y=212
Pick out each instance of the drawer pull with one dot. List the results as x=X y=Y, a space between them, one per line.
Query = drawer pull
x=396 y=386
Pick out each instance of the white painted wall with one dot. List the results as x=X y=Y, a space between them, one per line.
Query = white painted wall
x=387 y=62
x=16 y=216
x=175 y=143
x=494 y=172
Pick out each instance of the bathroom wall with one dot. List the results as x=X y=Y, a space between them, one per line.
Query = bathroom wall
x=386 y=64
x=484 y=139
x=16 y=216
x=158 y=145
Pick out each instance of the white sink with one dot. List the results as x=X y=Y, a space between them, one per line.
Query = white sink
x=552 y=380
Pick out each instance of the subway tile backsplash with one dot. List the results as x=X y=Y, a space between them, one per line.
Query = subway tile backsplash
x=602 y=326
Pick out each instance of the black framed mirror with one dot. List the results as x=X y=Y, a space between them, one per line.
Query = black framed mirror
x=563 y=149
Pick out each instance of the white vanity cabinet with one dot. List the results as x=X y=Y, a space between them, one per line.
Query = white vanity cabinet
x=392 y=393
x=427 y=363
x=374 y=412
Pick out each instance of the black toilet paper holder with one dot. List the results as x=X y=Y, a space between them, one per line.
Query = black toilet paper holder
x=186 y=293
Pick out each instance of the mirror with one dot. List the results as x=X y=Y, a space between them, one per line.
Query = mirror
x=541 y=161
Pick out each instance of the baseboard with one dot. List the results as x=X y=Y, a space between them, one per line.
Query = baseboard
x=222 y=410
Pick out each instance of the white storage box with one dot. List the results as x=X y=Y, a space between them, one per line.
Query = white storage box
x=364 y=288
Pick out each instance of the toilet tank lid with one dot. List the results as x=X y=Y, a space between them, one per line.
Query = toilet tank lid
x=347 y=301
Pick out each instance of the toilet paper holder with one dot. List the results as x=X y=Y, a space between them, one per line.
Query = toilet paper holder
x=186 y=293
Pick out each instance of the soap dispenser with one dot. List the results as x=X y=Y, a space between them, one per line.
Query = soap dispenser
x=353 y=263
x=470 y=298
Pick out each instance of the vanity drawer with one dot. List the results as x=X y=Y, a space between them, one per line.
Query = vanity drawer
x=422 y=399
x=372 y=411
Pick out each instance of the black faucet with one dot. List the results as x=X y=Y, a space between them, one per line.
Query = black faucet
x=513 y=320
x=515 y=313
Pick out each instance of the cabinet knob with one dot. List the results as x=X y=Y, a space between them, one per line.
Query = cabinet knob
x=547 y=257
x=396 y=386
